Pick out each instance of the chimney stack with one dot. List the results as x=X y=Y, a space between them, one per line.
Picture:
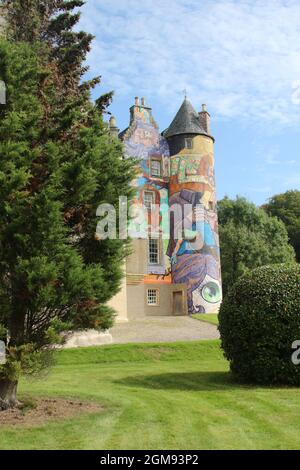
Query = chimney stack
x=113 y=128
x=204 y=118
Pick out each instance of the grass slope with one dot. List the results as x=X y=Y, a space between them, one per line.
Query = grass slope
x=166 y=396
x=207 y=318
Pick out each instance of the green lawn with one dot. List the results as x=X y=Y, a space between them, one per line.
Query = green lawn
x=208 y=318
x=163 y=396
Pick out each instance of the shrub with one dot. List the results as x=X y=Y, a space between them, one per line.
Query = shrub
x=259 y=321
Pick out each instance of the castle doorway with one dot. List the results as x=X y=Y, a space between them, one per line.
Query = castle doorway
x=178 y=303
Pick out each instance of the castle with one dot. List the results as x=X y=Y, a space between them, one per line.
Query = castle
x=178 y=274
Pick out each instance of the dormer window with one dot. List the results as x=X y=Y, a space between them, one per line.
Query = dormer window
x=189 y=143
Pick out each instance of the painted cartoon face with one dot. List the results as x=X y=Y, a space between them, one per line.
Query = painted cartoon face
x=207 y=296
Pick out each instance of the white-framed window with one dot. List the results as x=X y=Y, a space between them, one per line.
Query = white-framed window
x=149 y=199
x=154 y=251
x=155 y=168
x=189 y=143
x=153 y=297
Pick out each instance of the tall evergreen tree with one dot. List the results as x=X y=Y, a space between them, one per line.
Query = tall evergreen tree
x=58 y=163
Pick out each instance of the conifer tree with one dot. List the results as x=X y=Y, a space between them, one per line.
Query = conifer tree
x=58 y=163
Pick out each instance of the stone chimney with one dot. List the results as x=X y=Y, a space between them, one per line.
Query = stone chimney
x=113 y=128
x=140 y=110
x=204 y=118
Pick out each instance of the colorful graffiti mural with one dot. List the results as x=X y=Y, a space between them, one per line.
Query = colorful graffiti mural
x=194 y=241
x=184 y=192
x=143 y=141
x=201 y=273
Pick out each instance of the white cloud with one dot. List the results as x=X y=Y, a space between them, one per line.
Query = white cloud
x=241 y=57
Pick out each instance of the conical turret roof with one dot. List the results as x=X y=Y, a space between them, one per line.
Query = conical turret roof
x=186 y=121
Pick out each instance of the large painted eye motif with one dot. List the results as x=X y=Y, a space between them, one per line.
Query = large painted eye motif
x=211 y=292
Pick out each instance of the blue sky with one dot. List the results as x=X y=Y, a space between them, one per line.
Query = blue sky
x=241 y=58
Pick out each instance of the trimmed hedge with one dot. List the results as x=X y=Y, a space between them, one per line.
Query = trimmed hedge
x=259 y=321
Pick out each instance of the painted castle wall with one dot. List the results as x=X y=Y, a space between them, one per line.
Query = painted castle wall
x=119 y=302
x=195 y=257
x=187 y=276
x=143 y=141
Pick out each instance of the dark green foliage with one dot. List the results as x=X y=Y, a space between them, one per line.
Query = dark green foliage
x=259 y=321
x=249 y=238
x=58 y=163
x=287 y=208
x=51 y=265
x=50 y=24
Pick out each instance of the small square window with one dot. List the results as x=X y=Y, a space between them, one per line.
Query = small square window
x=153 y=297
x=156 y=168
x=189 y=143
x=148 y=200
x=153 y=251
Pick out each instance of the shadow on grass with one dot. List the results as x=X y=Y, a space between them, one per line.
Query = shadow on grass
x=186 y=381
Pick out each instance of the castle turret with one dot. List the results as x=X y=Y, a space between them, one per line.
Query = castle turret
x=194 y=242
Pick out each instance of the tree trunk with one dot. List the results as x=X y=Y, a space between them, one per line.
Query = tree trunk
x=8 y=394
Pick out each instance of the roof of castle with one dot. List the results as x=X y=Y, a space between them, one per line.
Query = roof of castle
x=186 y=121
